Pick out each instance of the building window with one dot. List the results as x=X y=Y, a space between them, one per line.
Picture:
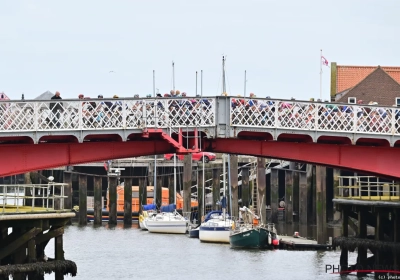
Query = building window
x=352 y=100
x=398 y=101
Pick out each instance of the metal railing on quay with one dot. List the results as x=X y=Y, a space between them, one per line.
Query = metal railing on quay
x=32 y=197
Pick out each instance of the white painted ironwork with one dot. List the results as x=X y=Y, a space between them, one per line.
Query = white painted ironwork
x=100 y=114
x=41 y=197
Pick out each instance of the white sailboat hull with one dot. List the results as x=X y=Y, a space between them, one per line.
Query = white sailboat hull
x=219 y=235
x=167 y=226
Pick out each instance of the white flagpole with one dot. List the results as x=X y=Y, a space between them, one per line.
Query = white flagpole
x=320 y=76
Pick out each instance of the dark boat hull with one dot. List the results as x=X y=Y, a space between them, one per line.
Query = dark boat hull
x=255 y=238
x=194 y=233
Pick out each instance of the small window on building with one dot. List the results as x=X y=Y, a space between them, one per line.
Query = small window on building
x=398 y=101
x=352 y=100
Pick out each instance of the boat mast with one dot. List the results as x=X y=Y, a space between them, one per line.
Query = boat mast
x=229 y=183
x=173 y=76
x=245 y=83
x=201 y=84
x=224 y=180
x=196 y=83
x=155 y=156
x=223 y=75
x=204 y=186
x=223 y=156
x=173 y=86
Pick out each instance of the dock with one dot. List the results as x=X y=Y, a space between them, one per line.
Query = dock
x=301 y=243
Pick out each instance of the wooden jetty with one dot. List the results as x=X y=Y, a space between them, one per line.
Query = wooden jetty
x=300 y=243
x=30 y=216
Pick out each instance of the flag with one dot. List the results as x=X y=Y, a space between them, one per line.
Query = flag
x=324 y=61
x=105 y=166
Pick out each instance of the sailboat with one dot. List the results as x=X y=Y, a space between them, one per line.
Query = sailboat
x=253 y=236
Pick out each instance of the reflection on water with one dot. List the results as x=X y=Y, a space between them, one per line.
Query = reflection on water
x=129 y=253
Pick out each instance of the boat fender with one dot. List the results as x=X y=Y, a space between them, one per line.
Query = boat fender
x=233 y=225
x=275 y=242
x=141 y=218
x=202 y=219
x=269 y=238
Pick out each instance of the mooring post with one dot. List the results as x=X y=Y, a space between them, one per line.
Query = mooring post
x=396 y=236
x=150 y=171
x=274 y=180
x=303 y=198
x=187 y=183
x=200 y=187
x=59 y=254
x=112 y=203
x=82 y=200
x=289 y=196
x=296 y=194
x=171 y=191
x=261 y=190
x=128 y=201
x=336 y=175
x=68 y=190
x=159 y=182
x=321 y=203
x=98 y=199
x=216 y=188
x=245 y=186
x=362 y=233
x=234 y=185
x=142 y=193
x=19 y=255
x=344 y=254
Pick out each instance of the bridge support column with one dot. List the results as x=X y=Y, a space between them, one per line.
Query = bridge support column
x=150 y=179
x=171 y=190
x=200 y=194
x=274 y=194
x=296 y=194
x=112 y=200
x=321 y=203
x=303 y=198
x=216 y=190
x=344 y=254
x=311 y=182
x=261 y=190
x=82 y=200
x=159 y=185
x=289 y=196
x=234 y=185
x=336 y=173
x=187 y=183
x=396 y=236
x=362 y=233
x=128 y=201
x=97 y=183
x=142 y=193
x=245 y=186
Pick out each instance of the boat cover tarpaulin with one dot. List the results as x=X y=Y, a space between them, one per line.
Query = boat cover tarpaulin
x=168 y=208
x=223 y=202
x=149 y=207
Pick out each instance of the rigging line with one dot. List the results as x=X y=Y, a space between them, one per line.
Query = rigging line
x=227 y=81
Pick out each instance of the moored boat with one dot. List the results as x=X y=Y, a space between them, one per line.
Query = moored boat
x=167 y=221
x=216 y=227
x=148 y=211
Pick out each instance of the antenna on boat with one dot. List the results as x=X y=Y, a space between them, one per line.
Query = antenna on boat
x=223 y=75
x=201 y=83
x=245 y=83
x=196 y=83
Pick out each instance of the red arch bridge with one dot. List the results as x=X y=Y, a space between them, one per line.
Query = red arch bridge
x=44 y=134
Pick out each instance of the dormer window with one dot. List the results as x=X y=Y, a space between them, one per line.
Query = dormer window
x=352 y=100
x=398 y=101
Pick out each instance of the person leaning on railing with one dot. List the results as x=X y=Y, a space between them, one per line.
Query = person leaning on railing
x=56 y=109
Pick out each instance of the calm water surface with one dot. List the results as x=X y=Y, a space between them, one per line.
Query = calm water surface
x=130 y=253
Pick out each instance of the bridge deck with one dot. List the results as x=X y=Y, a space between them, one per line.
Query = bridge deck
x=12 y=209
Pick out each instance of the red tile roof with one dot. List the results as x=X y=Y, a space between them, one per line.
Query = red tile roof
x=349 y=76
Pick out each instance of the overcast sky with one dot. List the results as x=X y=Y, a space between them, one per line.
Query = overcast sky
x=71 y=46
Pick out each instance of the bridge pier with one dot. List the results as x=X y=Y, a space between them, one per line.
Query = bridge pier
x=112 y=200
x=187 y=183
x=289 y=196
x=142 y=193
x=200 y=187
x=245 y=186
x=128 y=201
x=97 y=182
x=261 y=190
x=234 y=185
x=303 y=199
x=274 y=182
x=296 y=195
x=321 y=203
x=82 y=200
x=171 y=190
x=216 y=187
x=159 y=183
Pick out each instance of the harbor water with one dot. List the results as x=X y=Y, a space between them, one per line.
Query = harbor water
x=129 y=253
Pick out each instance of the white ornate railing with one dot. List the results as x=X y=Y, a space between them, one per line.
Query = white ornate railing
x=99 y=114
x=299 y=115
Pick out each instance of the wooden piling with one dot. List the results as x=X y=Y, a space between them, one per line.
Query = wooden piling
x=303 y=198
x=261 y=190
x=112 y=200
x=142 y=193
x=336 y=174
x=128 y=201
x=234 y=185
x=362 y=233
x=289 y=196
x=82 y=200
x=296 y=194
x=59 y=254
x=171 y=190
x=67 y=179
x=396 y=234
x=321 y=203
x=159 y=190
x=200 y=193
x=187 y=182
x=216 y=190
x=378 y=237
x=245 y=186
x=344 y=254
x=97 y=183
x=274 y=178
